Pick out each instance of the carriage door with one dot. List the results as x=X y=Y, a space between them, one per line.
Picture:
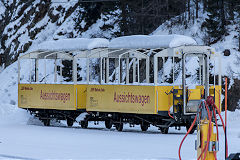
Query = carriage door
x=195 y=84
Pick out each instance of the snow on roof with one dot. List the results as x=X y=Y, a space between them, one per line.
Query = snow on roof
x=151 y=42
x=73 y=44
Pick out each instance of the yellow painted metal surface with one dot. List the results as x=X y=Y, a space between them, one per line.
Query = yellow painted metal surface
x=81 y=97
x=194 y=94
x=105 y=98
x=164 y=101
x=203 y=129
x=121 y=98
x=46 y=96
x=217 y=95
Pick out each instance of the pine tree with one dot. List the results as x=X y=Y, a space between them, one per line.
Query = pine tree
x=67 y=71
x=110 y=17
x=238 y=22
x=215 y=23
x=88 y=13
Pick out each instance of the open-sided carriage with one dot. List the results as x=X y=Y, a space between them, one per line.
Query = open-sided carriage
x=142 y=80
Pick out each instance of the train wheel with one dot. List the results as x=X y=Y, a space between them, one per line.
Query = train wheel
x=46 y=122
x=193 y=129
x=84 y=124
x=70 y=122
x=119 y=126
x=164 y=130
x=108 y=124
x=144 y=126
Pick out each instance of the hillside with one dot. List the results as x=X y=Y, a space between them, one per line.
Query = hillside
x=26 y=24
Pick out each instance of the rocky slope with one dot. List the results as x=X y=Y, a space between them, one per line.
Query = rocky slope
x=24 y=24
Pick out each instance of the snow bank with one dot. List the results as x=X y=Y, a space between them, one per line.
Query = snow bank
x=73 y=44
x=151 y=42
x=9 y=111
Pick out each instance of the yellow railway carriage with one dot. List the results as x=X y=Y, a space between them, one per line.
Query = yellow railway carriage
x=44 y=92
x=154 y=102
x=150 y=80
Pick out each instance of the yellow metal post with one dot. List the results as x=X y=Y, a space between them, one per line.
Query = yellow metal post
x=203 y=129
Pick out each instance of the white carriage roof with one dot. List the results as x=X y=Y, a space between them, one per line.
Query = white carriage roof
x=73 y=44
x=151 y=42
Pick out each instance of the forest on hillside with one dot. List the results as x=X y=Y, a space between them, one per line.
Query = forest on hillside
x=18 y=18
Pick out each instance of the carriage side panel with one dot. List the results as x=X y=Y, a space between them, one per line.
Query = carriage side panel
x=164 y=97
x=121 y=98
x=81 y=95
x=46 y=96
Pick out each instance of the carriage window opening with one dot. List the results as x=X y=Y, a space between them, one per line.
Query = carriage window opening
x=67 y=71
x=196 y=74
x=94 y=70
x=55 y=71
x=214 y=72
x=104 y=66
x=111 y=72
x=117 y=70
x=169 y=70
x=81 y=64
x=123 y=66
x=26 y=67
x=166 y=70
x=35 y=71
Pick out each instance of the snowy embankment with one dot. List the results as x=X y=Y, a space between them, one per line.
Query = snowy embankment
x=9 y=112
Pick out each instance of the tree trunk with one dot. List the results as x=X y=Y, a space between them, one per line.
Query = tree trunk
x=239 y=41
x=231 y=10
x=196 y=2
x=204 y=6
x=189 y=12
x=223 y=14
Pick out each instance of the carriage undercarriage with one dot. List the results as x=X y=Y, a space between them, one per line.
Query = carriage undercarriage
x=117 y=120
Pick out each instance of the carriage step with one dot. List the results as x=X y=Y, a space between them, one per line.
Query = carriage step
x=168 y=120
x=162 y=126
x=165 y=125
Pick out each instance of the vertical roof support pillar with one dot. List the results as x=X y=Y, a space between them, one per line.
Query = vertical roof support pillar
x=127 y=70
x=147 y=69
x=155 y=70
x=134 y=70
x=107 y=71
x=74 y=71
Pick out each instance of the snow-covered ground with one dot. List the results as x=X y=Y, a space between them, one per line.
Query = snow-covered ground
x=23 y=137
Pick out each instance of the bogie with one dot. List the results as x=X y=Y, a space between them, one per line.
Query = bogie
x=84 y=124
x=46 y=122
x=70 y=121
x=108 y=123
x=119 y=126
x=164 y=130
x=144 y=126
